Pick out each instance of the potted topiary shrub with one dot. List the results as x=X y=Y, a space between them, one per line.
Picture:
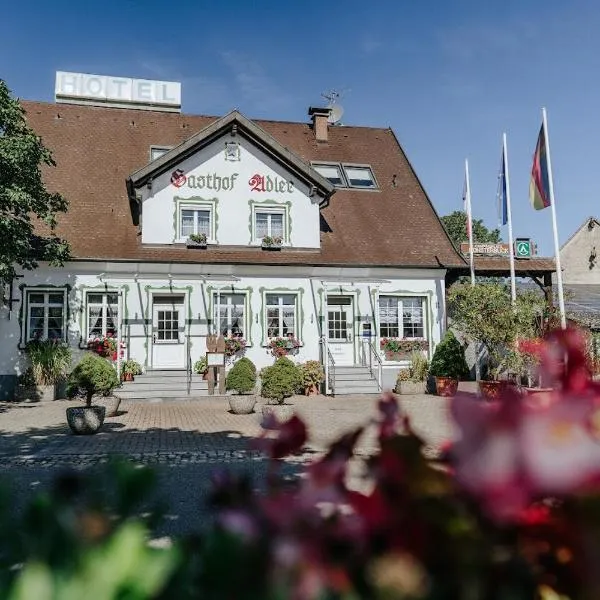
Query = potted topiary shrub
x=313 y=376
x=129 y=369
x=414 y=379
x=242 y=380
x=278 y=382
x=50 y=361
x=92 y=375
x=448 y=365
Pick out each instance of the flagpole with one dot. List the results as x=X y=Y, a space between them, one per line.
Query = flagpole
x=513 y=285
x=469 y=222
x=559 y=282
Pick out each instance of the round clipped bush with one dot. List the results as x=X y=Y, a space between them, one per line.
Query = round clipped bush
x=281 y=380
x=92 y=375
x=242 y=376
x=449 y=359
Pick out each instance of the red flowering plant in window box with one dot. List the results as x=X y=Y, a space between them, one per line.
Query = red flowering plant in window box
x=282 y=346
x=234 y=344
x=402 y=348
x=106 y=346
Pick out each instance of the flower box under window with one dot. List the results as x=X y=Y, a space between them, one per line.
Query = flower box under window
x=401 y=349
x=196 y=240
x=271 y=243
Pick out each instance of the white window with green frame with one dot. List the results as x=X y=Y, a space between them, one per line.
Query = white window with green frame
x=46 y=317
x=102 y=314
x=281 y=315
x=229 y=314
x=402 y=317
x=270 y=221
x=195 y=217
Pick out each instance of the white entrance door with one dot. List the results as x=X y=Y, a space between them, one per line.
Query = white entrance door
x=340 y=327
x=168 y=334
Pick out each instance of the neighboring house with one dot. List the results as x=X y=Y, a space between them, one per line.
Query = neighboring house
x=581 y=274
x=358 y=247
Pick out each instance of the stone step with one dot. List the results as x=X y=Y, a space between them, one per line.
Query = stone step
x=355 y=369
x=159 y=381
x=346 y=390
x=164 y=385
x=153 y=395
x=355 y=382
x=350 y=376
x=164 y=373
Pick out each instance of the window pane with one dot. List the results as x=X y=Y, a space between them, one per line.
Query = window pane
x=277 y=225
x=55 y=322
x=36 y=298
x=95 y=298
x=157 y=152
x=262 y=224
x=388 y=317
x=203 y=222
x=94 y=321
x=112 y=299
x=412 y=317
x=36 y=322
x=360 y=177
x=187 y=222
x=331 y=172
x=289 y=320
x=288 y=299
x=56 y=298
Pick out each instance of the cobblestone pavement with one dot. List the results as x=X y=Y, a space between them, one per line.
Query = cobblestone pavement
x=185 y=441
x=202 y=429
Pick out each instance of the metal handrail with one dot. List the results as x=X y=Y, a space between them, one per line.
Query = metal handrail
x=331 y=372
x=189 y=365
x=374 y=353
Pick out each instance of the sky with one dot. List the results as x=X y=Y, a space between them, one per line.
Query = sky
x=449 y=77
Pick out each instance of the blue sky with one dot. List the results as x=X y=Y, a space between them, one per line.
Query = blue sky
x=448 y=76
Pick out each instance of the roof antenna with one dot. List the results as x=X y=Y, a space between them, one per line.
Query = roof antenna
x=337 y=110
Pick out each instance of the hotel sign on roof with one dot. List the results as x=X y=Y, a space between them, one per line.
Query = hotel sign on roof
x=106 y=90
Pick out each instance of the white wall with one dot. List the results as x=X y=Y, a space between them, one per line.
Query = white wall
x=232 y=205
x=137 y=297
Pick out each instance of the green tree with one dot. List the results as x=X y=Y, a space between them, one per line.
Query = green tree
x=456 y=226
x=27 y=210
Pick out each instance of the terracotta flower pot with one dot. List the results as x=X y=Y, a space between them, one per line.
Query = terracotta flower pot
x=492 y=390
x=446 y=386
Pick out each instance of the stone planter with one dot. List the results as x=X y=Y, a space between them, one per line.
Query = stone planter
x=242 y=404
x=85 y=420
x=46 y=393
x=411 y=387
x=110 y=403
x=445 y=386
x=271 y=246
x=283 y=412
x=492 y=390
x=27 y=393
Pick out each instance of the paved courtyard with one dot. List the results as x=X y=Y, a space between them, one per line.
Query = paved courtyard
x=202 y=427
x=185 y=441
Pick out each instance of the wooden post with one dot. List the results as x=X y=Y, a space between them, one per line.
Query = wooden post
x=211 y=346
x=548 y=290
x=221 y=370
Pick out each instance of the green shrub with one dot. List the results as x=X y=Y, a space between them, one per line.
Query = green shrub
x=242 y=376
x=312 y=373
x=449 y=359
x=93 y=375
x=131 y=366
x=50 y=360
x=201 y=366
x=419 y=367
x=281 y=380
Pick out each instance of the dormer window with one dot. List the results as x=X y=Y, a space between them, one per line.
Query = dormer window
x=347 y=175
x=331 y=172
x=360 y=177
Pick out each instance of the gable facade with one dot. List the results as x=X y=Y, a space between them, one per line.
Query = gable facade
x=324 y=268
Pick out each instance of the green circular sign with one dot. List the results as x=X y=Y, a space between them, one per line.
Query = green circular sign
x=523 y=248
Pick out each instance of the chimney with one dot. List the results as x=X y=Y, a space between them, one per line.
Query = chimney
x=319 y=115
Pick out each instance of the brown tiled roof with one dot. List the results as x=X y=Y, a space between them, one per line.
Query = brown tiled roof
x=97 y=148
